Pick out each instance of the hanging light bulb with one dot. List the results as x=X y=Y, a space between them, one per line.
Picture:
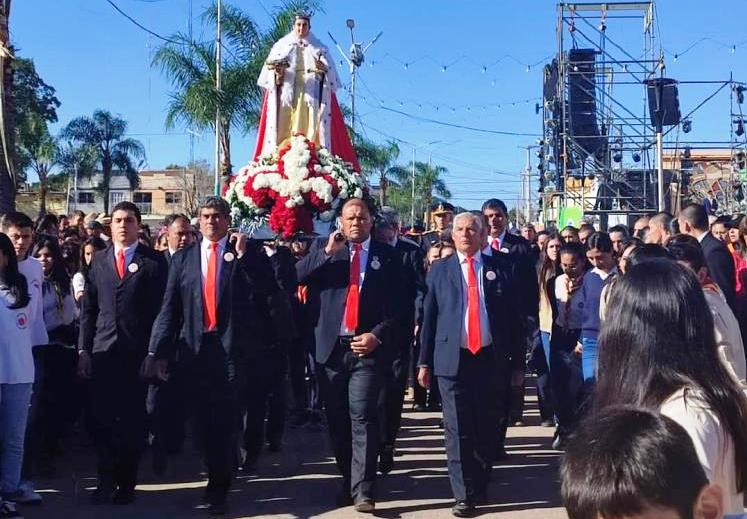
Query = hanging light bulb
x=676 y=56
x=529 y=67
x=636 y=157
x=484 y=69
x=406 y=65
x=733 y=49
x=443 y=68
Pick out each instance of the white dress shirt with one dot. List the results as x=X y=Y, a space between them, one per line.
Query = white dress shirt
x=364 y=263
x=205 y=258
x=33 y=271
x=488 y=250
x=485 y=335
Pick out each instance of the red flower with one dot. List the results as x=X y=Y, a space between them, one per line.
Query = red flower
x=287 y=221
x=264 y=197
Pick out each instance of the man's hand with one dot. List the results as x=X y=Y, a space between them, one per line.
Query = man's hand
x=424 y=377
x=240 y=241
x=517 y=378
x=154 y=369
x=320 y=65
x=579 y=349
x=334 y=243
x=364 y=344
x=84 y=364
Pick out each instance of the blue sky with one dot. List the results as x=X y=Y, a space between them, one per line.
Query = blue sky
x=95 y=58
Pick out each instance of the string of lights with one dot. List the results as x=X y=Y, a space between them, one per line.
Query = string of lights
x=446 y=65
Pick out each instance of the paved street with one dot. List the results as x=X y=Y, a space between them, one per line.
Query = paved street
x=301 y=481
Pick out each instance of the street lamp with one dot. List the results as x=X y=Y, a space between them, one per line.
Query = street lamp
x=412 y=200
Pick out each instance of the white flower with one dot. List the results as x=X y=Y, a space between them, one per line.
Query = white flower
x=358 y=193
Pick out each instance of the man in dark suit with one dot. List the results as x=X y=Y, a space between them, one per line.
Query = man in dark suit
x=167 y=420
x=358 y=285
x=223 y=303
x=392 y=394
x=120 y=303
x=693 y=221
x=470 y=343
x=500 y=241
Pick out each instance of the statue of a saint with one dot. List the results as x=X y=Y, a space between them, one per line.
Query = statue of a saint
x=300 y=81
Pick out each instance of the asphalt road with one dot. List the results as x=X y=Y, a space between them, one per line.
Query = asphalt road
x=301 y=480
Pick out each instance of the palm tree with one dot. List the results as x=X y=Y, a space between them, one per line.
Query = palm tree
x=190 y=66
x=41 y=156
x=428 y=181
x=379 y=159
x=106 y=133
x=77 y=161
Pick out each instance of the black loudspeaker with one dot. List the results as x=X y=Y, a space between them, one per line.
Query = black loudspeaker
x=663 y=102
x=584 y=129
x=550 y=83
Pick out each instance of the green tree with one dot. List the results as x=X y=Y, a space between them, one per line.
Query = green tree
x=378 y=159
x=106 y=133
x=190 y=67
x=429 y=183
x=39 y=152
x=7 y=126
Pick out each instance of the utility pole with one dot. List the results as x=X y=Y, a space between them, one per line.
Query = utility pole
x=412 y=199
x=526 y=184
x=218 y=44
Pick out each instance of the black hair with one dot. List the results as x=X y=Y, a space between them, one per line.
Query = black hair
x=600 y=241
x=170 y=219
x=573 y=247
x=696 y=215
x=128 y=206
x=15 y=219
x=97 y=244
x=723 y=219
x=623 y=229
x=625 y=461
x=45 y=222
x=494 y=204
x=690 y=253
x=658 y=339
x=58 y=275
x=646 y=252
x=14 y=280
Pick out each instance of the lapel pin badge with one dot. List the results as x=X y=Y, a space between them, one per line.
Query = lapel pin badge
x=490 y=275
x=133 y=267
x=229 y=257
x=375 y=263
x=504 y=250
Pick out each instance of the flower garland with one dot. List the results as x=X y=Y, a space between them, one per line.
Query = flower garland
x=291 y=187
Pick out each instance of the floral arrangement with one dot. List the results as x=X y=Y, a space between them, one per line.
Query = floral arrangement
x=291 y=187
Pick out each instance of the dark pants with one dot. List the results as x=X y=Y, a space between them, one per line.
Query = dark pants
x=420 y=394
x=118 y=405
x=214 y=389
x=297 y=375
x=264 y=397
x=169 y=413
x=350 y=388
x=391 y=400
x=470 y=421
x=538 y=363
x=565 y=376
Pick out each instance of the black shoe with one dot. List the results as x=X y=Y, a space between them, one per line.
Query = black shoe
x=160 y=462
x=517 y=423
x=298 y=419
x=463 y=509
x=123 y=497
x=219 y=508
x=386 y=460
x=419 y=408
x=365 y=505
x=559 y=442
x=548 y=423
x=343 y=499
x=501 y=454
x=275 y=446
x=102 y=495
x=249 y=466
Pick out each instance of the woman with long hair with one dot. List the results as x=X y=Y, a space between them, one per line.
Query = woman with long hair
x=657 y=351
x=16 y=374
x=565 y=365
x=57 y=298
x=87 y=250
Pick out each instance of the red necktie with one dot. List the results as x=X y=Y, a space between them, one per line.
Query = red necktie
x=474 y=341
x=210 y=306
x=351 y=304
x=121 y=263
x=496 y=245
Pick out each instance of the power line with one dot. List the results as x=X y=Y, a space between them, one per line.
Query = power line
x=141 y=26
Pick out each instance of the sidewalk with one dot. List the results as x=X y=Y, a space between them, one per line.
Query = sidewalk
x=301 y=481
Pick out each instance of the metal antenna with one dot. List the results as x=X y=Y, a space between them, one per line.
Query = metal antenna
x=354 y=59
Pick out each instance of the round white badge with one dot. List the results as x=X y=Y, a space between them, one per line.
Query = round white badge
x=375 y=263
x=133 y=267
x=490 y=275
x=504 y=250
x=228 y=256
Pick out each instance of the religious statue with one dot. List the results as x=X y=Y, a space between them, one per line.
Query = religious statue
x=300 y=81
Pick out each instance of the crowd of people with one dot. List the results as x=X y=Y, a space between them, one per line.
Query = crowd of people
x=144 y=340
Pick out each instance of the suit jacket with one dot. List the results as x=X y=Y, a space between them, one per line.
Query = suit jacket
x=443 y=320
x=252 y=311
x=525 y=269
x=381 y=309
x=413 y=265
x=720 y=267
x=121 y=311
